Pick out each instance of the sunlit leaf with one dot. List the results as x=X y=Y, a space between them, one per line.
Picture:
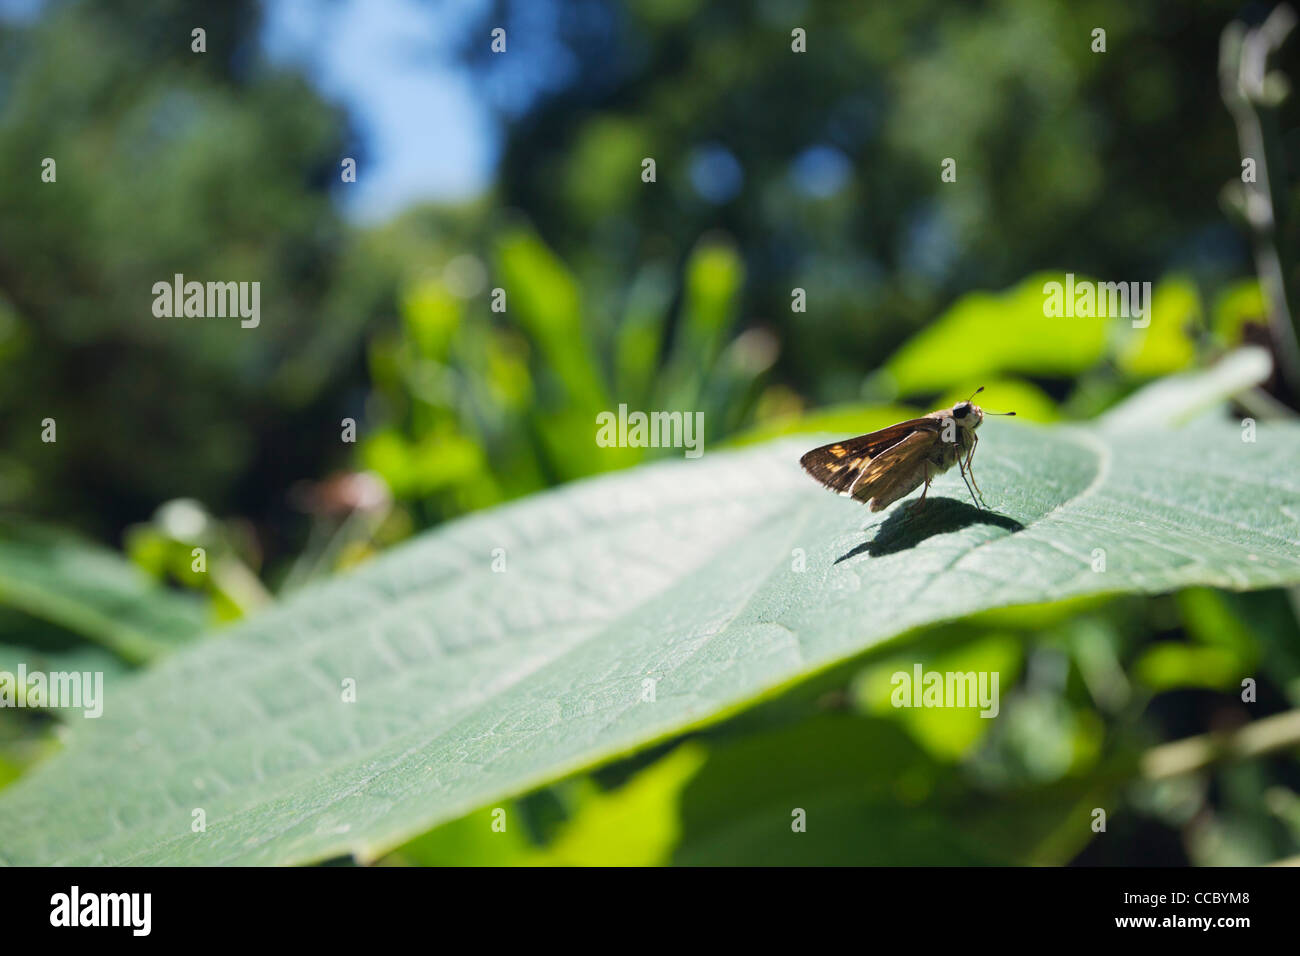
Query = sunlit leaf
x=985 y=335
x=1168 y=343
x=717 y=581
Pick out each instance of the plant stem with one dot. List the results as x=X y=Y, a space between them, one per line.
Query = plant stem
x=1196 y=753
x=1243 y=76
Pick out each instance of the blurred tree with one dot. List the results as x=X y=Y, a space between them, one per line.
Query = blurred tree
x=826 y=165
x=168 y=161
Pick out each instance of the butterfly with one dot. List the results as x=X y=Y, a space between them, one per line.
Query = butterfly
x=889 y=464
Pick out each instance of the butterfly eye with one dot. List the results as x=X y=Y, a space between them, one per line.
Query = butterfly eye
x=961 y=410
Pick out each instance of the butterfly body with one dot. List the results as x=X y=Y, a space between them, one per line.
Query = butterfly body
x=881 y=467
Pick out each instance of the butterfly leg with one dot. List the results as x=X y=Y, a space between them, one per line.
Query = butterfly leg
x=963 y=465
x=916 y=506
x=970 y=464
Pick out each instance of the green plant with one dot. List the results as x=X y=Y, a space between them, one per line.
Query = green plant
x=630 y=609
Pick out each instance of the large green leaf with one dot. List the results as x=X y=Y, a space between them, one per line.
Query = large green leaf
x=720 y=579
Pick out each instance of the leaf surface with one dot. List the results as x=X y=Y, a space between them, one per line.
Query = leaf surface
x=630 y=607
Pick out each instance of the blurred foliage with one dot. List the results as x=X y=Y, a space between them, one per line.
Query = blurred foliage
x=776 y=171
x=476 y=404
x=215 y=167
x=826 y=165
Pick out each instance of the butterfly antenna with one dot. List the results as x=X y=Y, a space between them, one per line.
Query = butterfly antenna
x=974 y=393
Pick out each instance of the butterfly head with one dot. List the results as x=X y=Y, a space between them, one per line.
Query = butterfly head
x=968 y=414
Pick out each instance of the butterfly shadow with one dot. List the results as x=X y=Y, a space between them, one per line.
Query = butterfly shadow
x=909 y=525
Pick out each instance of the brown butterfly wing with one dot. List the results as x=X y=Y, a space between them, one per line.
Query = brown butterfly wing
x=843 y=465
x=896 y=472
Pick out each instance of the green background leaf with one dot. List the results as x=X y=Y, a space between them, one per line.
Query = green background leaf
x=66 y=581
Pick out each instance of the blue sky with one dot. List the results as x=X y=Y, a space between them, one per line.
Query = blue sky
x=429 y=134
x=432 y=131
